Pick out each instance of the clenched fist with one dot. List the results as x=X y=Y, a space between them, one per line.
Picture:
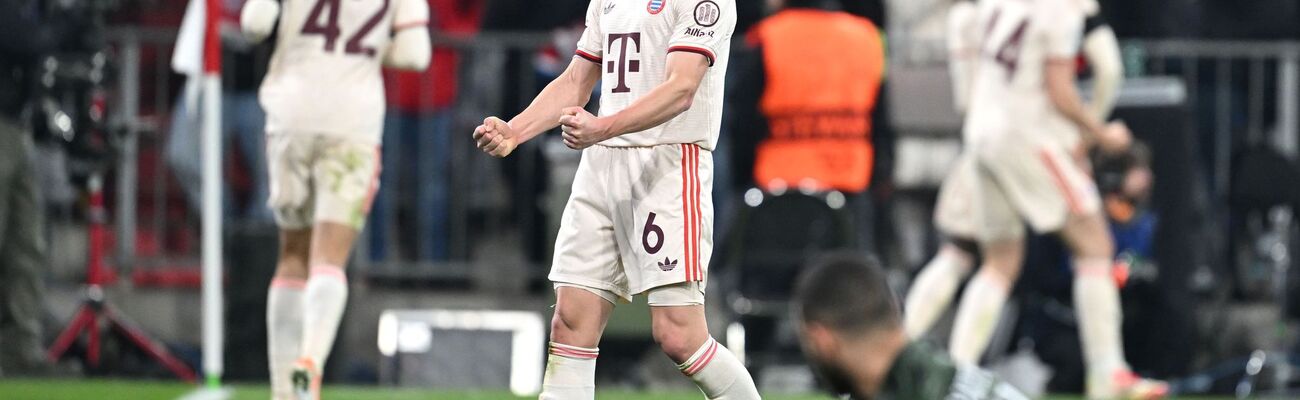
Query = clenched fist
x=495 y=137
x=581 y=129
x=1115 y=138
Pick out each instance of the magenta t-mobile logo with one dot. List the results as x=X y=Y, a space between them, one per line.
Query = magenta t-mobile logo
x=623 y=65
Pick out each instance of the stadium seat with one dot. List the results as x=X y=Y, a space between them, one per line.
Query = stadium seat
x=772 y=237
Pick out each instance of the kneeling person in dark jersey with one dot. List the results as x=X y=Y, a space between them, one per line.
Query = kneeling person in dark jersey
x=853 y=337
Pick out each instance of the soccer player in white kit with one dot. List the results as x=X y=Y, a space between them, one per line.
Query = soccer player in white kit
x=938 y=281
x=324 y=101
x=640 y=217
x=1026 y=129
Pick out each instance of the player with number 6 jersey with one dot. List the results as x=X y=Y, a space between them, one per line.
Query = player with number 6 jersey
x=640 y=216
x=324 y=101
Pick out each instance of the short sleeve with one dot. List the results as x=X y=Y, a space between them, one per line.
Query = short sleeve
x=410 y=14
x=703 y=26
x=591 y=45
x=1064 y=30
x=962 y=36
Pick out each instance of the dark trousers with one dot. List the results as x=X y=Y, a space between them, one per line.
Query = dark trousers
x=22 y=252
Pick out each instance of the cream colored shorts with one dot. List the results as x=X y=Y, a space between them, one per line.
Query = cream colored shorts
x=638 y=218
x=1042 y=185
x=315 y=178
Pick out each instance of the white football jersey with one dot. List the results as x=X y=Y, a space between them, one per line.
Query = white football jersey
x=324 y=77
x=1008 y=98
x=631 y=39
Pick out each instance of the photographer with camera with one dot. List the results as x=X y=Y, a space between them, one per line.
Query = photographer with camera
x=25 y=38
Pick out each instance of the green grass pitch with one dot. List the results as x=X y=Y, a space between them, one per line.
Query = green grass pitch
x=97 y=389
x=156 y=390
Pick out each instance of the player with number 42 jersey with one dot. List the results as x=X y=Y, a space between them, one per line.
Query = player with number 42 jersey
x=324 y=101
x=325 y=77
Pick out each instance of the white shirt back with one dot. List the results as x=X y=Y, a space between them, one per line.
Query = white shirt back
x=963 y=50
x=631 y=40
x=324 y=77
x=1008 y=98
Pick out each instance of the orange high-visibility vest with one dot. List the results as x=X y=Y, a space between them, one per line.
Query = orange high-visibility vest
x=823 y=72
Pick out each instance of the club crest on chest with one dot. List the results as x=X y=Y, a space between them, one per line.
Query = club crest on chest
x=655 y=6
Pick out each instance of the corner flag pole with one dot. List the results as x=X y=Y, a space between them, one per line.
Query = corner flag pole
x=212 y=268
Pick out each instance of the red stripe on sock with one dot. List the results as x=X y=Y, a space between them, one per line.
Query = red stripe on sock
x=574 y=352
x=1091 y=269
x=329 y=271
x=288 y=283
x=704 y=359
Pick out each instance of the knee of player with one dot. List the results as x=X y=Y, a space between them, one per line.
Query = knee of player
x=673 y=338
x=566 y=328
x=1101 y=246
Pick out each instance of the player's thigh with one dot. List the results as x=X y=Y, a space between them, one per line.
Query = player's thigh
x=345 y=177
x=1088 y=236
x=586 y=253
x=1045 y=185
x=289 y=179
x=1004 y=257
x=665 y=217
x=993 y=215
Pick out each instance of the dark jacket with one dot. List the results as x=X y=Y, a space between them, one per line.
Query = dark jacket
x=23 y=40
x=922 y=372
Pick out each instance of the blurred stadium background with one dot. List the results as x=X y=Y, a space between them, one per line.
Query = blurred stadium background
x=1213 y=89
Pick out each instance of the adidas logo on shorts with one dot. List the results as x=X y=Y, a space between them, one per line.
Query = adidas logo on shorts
x=667 y=264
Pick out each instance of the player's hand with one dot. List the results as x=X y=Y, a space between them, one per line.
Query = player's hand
x=495 y=137
x=581 y=129
x=1114 y=138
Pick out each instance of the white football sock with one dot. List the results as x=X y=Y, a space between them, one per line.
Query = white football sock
x=977 y=316
x=325 y=297
x=932 y=291
x=570 y=373
x=1096 y=303
x=283 y=332
x=719 y=374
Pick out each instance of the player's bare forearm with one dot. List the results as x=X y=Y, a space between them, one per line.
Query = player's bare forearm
x=666 y=101
x=1059 y=79
x=571 y=89
x=685 y=71
x=1102 y=51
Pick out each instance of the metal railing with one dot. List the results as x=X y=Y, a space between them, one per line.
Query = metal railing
x=1211 y=71
x=129 y=46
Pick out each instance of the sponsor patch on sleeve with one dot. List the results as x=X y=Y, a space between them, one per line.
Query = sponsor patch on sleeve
x=707 y=13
